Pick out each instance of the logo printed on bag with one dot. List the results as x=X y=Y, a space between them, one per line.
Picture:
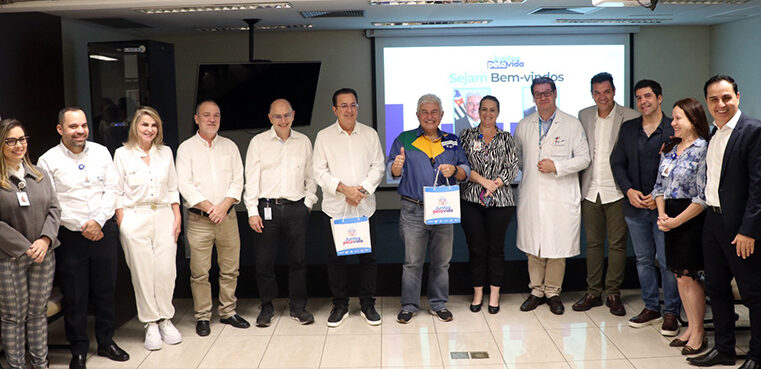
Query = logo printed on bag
x=443 y=208
x=351 y=237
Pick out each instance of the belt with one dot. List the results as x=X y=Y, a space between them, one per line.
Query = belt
x=412 y=200
x=715 y=209
x=282 y=201
x=148 y=205
x=203 y=213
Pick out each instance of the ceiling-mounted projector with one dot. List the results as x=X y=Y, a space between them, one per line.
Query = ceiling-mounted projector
x=618 y=3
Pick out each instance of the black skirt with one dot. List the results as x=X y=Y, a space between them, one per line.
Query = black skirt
x=684 y=246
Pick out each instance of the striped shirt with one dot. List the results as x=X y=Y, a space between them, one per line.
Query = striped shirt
x=498 y=158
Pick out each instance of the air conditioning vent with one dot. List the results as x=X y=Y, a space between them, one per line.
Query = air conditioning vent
x=333 y=14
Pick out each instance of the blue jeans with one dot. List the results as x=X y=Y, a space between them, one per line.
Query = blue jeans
x=649 y=246
x=419 y=237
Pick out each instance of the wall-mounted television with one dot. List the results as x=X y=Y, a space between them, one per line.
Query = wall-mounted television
x=244 y=91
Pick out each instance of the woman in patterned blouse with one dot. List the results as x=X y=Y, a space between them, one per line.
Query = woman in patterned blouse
x=488 y=204
x=679 y=194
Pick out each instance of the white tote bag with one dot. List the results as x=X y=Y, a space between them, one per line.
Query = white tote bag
x=441 y=204
x=351 y=236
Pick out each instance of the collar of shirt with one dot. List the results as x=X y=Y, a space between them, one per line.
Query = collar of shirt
x=340 y=130
x=731 y=123
x=141 y=154
x=610 y=115
x=550 y=120
x=273 y=135
x=419 y=131
x=71 y=154
x=206 y=143
x=473 y=123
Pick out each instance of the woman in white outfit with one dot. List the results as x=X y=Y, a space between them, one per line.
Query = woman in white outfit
x=148 y=215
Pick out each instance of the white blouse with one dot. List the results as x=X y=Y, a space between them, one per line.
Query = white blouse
x=141 y=184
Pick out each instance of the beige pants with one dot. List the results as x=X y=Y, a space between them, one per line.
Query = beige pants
x=150 y=252
x=202 y=235
x=545 y=275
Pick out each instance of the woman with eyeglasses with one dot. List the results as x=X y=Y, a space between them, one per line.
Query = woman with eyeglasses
x=679 y=194
x=29 y=220
x=148 y=215
x=487 y=200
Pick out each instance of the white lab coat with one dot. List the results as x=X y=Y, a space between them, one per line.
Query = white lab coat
x=549 y=204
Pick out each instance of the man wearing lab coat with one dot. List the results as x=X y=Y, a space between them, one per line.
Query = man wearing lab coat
x=552 y=149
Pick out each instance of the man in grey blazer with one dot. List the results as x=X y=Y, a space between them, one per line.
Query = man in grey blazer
x=602 y=201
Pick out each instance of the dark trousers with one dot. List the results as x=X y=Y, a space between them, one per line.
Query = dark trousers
x=485 y=229
x=338 y=272
x=86 y=272
x=287 y=229
x=721 y=263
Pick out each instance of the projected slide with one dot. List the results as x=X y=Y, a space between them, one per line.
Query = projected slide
x=461 y=75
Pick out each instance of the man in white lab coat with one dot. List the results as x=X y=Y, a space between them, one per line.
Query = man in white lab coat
x=552 y=150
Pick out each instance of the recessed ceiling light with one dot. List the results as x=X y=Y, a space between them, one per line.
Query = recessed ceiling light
x=613 y=20
x=437 y=2
x=263 y=28
x=430 y=23
x=216 y=8
x=102 y=57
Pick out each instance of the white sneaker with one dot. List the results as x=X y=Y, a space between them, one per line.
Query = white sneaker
x=169 y=333
x=152 y=337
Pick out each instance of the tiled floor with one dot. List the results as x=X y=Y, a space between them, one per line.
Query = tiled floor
x=510 y=339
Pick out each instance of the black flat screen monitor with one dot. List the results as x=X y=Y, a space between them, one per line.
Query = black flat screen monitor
x=245 y=91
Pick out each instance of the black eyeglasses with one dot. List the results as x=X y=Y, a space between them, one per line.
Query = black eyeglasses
x=11 y=141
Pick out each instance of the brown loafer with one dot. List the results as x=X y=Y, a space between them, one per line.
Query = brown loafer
x=532 y=302
x=645 y=318
x=587 y=302
x=687 y=350
x=616 y=305
x=556 y=305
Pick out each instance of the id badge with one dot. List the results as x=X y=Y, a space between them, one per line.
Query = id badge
x=268 y=213
x=667 y=169
x=23 y=198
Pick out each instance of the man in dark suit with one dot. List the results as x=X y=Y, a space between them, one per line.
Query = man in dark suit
x=634 y=162
x=471 y=117
x=602 y=202
x=733 y=221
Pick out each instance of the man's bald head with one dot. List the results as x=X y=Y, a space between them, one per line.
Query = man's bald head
x=281 y=116
x=280 y=104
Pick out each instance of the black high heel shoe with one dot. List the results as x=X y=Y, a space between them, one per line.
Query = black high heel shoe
x=493 y=309
x=476 y=308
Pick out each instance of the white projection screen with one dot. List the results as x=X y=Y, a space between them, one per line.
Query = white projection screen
x=454 y=68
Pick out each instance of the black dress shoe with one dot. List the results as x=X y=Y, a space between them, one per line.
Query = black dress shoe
x=236 y=321
x=476 y=308
x=113 y=352
x=750 y=364
x=532 y=302
x=712 y=357
x=493 y=309
x=202 y=328
x=556 y=306
x=78 y=361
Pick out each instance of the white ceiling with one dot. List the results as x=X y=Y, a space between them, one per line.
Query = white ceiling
x=500 y=15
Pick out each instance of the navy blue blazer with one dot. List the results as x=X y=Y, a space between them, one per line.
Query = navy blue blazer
x=740 y=181
x=624 y=159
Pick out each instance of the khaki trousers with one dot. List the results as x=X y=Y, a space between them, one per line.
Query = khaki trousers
x=150 y=252
x=202 y=235
x=603 y=221
x=545 y=275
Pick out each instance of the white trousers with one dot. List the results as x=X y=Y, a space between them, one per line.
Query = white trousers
x=150 y=252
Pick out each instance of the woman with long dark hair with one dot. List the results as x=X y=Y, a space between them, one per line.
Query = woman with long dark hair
x=679 y=194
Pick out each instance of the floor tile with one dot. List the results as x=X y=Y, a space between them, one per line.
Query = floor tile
x=469 y=342
x=463 y=319
x=351 y=351
x=403 y=350
x=293 y=352
x=510 y=318
x=235 y=352
x=569 y=319
x=356 y=324
x=287 y=326
x=421 y=323
x=584 y=344
x=250 y=309
x=602 y=364
x=527 y=346
x=663 y=362
x=552 y=365
x=187 y=354
x=640 y=342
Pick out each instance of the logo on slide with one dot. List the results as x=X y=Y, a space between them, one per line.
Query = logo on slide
x=505 y=62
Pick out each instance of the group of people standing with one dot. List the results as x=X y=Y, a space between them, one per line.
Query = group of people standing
x=622 y=172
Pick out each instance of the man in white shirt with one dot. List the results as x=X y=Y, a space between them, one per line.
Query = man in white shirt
x=210 y=180
x=280 y=193
x=85 y=182
x=348 y=166
x=602 y=202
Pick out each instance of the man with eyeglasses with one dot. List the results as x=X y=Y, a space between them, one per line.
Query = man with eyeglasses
x=634 y=162
x=471 y=117
x=348 y=166
x=85 y=182
x=279 y=195
x=416 y=157
x=210 y=180
x=552 y=150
